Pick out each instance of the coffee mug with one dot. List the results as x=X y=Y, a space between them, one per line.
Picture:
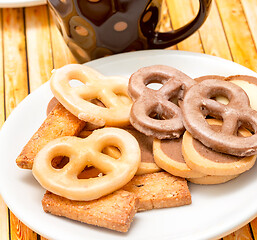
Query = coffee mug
x=98 y=28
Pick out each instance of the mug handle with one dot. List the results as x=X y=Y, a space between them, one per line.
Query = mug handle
x=167 y=39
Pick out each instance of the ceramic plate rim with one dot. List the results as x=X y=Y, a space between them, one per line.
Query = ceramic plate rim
x=21 y=3
x=247 y=216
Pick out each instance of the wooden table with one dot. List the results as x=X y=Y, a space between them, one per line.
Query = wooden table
x=31 y=46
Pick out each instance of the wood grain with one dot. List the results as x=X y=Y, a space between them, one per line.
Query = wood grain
x=15 y=64
x=238 y=33
x=243 y=233
x=2 y=107
x=254 y=227
x=165 y=22
x=181 y=13
x=19 y=231
x=39 y=50
x=15 y=77
x=250 y=9
x=212 y=27
x=4 y=221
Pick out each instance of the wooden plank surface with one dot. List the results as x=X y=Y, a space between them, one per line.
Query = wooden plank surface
x=166 y=25
x=2 y=109
x=31 y=46
x=4 y=221
x=250 y=10
x=181 y=13
x=19 y=231
x=243 y=233
x=213 y=45
x=254 y=227
x=4 y=227
x=16 y=85
x=15 y=64
x=238 y=33
x=40 y=62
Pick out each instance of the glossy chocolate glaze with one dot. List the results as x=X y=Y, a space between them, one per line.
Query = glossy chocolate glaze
x=202 y=78
x=149 y=102
x=172 y=148
x=212 y=155
x=198 y=103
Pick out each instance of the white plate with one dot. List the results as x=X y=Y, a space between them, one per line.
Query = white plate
x=20 y=3
x=214 y=212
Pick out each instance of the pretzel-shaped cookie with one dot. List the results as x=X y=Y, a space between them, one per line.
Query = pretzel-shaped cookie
x=149 y=101
x=198 y=103
x=88 y=152
x=111 y=91
x=147 y=164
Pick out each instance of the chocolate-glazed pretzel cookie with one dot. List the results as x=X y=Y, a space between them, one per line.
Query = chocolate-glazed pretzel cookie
x=202 y=78
x=198 y=103
x=149 y=102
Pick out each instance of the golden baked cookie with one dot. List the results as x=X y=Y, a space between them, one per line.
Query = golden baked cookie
x=159 y=190
x=102 y=212
x=168 y=156
x=58 y=123
x=210 y=180
x=205 y=160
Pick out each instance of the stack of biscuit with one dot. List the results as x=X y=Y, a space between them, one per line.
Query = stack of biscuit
x=149 y=189
x=201 y=164
x=168 y=153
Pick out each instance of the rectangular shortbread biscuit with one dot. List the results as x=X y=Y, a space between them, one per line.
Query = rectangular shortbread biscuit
x=159 y=190
x=59 y=122
x=114 y=211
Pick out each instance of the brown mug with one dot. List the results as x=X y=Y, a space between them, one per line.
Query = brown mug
x=97 y=28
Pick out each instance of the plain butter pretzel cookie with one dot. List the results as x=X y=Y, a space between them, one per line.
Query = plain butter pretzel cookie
x=158 y=102
x=88 y=152
x=205 y=160
x=111 y=91
x=198 y=103
x=147 y=164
